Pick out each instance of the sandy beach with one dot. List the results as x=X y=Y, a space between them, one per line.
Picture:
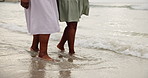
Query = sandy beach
x=16 y=62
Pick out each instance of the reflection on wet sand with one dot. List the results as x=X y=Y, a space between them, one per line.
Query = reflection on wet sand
x=41 y=68
x=65 y=73
x=37 y=69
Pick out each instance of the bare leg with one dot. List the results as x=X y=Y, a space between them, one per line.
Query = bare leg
x=63 y=40
x=72 y=27
x=35 y=43
x=69 y=35
x=43 y=38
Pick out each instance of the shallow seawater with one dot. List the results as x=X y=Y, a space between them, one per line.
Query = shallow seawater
x=118 y=27
x=18 y=63
x=111 y=31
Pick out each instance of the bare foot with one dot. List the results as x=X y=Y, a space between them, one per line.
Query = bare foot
x=46 y=57
x=35 y=50
x=60 y=47
x=71 y=53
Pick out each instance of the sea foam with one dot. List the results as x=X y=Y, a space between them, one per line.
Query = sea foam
x=140 y=6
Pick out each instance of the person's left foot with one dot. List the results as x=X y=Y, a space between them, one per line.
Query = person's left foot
x=33 y=53
x=34 y=49
x=46 y=57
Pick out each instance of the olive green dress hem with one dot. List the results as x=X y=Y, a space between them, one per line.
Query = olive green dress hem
x=72 y=10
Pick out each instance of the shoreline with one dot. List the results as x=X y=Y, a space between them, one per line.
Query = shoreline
x=87 y=63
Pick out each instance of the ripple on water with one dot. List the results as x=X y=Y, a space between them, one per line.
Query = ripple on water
x=66 y=63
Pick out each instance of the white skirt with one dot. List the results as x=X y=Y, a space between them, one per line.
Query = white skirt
x=42 y=17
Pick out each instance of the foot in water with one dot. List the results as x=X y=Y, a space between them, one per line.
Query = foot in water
x=61 y=47
x=71 y=53
x=33 y=52
x=34 y=49
x=46 y=57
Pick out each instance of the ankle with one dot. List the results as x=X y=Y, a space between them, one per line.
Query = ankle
x=61 y=47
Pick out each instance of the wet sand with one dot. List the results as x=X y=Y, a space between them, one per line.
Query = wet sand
x=16 y=62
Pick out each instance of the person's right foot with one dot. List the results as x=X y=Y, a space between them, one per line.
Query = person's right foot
x=71 y=53
x=60 y=47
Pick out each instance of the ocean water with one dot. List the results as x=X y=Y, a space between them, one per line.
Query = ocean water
x=119 y=26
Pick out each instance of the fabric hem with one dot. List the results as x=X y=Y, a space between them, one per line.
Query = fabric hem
x=43 y=33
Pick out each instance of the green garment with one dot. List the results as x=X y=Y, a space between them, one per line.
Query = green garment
x=71 y=10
